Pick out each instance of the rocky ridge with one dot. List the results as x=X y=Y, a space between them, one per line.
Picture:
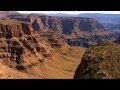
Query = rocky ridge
x=18 y=41
x=34 y=54
x=100 y=62
x=75 y=30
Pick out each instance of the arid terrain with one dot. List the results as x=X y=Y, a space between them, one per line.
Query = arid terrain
x=34 y=46
x=26 y=53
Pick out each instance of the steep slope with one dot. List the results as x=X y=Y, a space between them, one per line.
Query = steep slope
x=85 y=32
x=64 y=64
x=39 y=22
x=100 y=62
x=33 y=54
x=20 y=47
x=56 y=23
x=77 y=31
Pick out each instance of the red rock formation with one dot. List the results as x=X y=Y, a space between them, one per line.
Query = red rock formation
x=75 y=30
x=18 y=42
x=53 y=38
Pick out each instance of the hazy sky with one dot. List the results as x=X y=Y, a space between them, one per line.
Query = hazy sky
x=71 y=12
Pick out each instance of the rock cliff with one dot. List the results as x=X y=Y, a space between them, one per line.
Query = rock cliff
x=100 y=62
x=34 y=54
x=19 y=43
x=77 y=31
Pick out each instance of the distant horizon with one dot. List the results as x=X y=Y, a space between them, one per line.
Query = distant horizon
x=71 y=12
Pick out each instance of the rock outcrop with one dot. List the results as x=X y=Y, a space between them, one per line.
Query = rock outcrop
x=77 y=31
x=100 y=62
x=19 y=42
x=40 y=22
x=34 y=54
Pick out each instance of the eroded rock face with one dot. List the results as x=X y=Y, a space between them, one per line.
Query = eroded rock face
x=77 y=31
x=10 y=30
x=60 y=23
x=22 y=48
x=42 y=23
x=54 y=39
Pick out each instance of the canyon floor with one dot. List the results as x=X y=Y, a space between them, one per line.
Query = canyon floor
x=34 y=46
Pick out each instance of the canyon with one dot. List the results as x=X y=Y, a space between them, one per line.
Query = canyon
x=77 y=31
x=34 y=46
x=34 y=54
